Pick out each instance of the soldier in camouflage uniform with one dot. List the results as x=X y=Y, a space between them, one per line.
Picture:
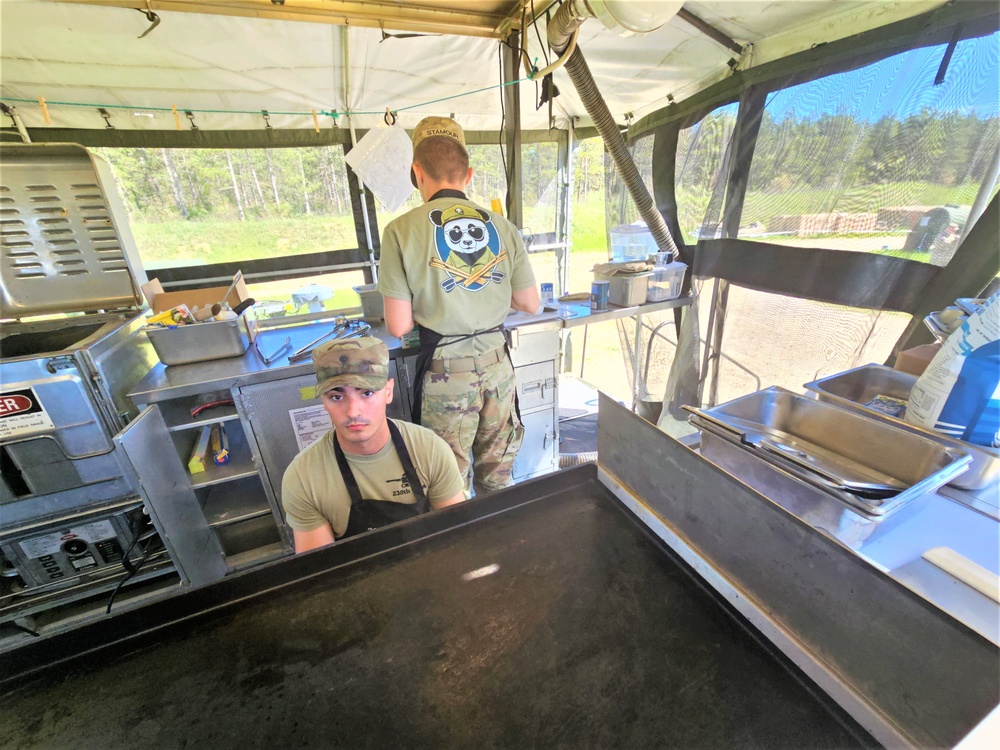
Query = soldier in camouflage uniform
x=455 y=269
x=368 y=471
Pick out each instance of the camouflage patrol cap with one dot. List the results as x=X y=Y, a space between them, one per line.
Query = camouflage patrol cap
x=362 y=363
x=435 y=126
x=431 y=126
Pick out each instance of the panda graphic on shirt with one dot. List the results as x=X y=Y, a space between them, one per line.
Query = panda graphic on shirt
x=467 y=248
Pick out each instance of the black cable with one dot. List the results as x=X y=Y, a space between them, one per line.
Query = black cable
x=538 y=34
x=503 y=121
x=128 y=576
x=23 y=629
x=130 y=569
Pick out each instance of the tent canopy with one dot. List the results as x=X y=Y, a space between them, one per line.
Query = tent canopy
x=226 y=62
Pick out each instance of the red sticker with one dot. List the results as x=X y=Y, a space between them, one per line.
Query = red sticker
x=14 y=404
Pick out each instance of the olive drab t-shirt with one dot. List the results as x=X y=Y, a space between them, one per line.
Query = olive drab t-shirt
x=458 y=264
x=313 y=492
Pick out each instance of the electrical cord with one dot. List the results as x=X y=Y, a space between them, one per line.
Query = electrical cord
x=130 y=569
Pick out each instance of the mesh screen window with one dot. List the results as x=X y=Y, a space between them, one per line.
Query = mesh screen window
x=700 y=175
x=880 y=159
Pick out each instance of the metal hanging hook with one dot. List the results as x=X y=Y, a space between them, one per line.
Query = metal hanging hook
x=190 y=115
x=267 y=120
x=151 y=17
x=107 y=118
x=389 y=114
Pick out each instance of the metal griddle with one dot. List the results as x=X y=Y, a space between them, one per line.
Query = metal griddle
x=590 y=633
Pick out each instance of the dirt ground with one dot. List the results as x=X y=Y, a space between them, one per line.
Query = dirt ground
x=768 y=339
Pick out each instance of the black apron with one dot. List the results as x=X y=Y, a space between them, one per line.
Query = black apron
x=372 y=514
x=430 y=341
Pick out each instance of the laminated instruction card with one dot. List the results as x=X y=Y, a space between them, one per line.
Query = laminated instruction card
x=382 y=160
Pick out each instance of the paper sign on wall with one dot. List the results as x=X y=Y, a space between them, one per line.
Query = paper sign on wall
x=309 y=424
x=382 y=159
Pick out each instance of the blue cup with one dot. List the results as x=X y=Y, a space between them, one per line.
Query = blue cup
x=599 y=295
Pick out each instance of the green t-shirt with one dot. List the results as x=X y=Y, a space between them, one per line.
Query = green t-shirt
x=458 y=265
x=313 y=492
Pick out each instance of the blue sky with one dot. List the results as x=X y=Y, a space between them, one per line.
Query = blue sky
x=903 y=85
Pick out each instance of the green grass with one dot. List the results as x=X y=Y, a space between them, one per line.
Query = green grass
x=225 y=241
x=233 y=241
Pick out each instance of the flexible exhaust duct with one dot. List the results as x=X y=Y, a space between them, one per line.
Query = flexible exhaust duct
x=631 y=18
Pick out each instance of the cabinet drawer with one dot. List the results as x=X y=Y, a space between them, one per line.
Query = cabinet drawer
x=539 y=453
x=534 y=347
x=536 y=385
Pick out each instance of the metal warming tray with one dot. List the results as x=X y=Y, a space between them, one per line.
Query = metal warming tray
x=869 y=464
x=201 y=342
x=855 y=388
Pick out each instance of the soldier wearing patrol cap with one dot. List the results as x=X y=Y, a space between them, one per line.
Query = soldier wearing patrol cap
x=369 y=470
x=455 y=269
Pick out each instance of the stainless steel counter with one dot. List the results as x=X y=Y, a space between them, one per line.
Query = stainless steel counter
x=164 y=383
x=896 y=544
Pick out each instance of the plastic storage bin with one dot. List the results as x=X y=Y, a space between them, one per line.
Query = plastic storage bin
x=665 y=282
x=632 y=242
x=372 y=303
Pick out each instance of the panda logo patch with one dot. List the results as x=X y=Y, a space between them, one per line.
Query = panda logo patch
x=468 y=248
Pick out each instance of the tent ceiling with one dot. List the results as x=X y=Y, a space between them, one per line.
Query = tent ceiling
x=239 y=57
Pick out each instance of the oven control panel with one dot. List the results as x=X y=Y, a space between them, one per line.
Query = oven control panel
x=70 y=550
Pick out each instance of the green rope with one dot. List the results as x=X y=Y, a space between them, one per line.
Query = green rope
x=327 y=113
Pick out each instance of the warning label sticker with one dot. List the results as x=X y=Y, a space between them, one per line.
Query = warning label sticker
x=21 y=412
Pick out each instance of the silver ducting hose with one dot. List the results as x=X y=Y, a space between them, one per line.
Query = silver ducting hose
x=560 y=32
x=576 y=459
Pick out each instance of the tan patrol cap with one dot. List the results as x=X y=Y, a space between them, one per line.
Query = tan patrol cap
x=435 y=126
x=362 y=363
x=431 y=126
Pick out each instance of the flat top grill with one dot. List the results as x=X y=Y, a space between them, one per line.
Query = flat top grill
x=586 y=634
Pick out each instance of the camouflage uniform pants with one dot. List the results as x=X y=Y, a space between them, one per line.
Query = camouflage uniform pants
x=474 y=413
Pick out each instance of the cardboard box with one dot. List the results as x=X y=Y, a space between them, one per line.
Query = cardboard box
x=160 y=300
x=200 y=342
x=915 y=360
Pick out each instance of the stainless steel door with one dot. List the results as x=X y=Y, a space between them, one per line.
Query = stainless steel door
x=148 y=450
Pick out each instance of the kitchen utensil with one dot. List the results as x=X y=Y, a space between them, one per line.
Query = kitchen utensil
x=269 y=359
x=340 y=324
x=237 y=277
x=864 y=462
x=248 y=302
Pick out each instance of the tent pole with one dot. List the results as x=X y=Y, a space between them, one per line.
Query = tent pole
x=512 y=136
x=369 y=246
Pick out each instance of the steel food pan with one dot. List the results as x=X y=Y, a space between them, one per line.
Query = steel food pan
x=200 y=342
x=868 y=463
x=855 y=388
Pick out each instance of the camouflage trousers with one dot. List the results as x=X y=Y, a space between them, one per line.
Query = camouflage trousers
x=474 y=413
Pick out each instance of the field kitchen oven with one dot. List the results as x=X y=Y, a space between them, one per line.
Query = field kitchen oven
x=70 y=349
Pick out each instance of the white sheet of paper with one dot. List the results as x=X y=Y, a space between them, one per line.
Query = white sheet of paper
x=309 y=424
x=382 y=159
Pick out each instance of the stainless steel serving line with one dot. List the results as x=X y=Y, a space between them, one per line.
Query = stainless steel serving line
x=539 y=615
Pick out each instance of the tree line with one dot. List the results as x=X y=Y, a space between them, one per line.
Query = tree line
x=837 y=150
x=160 y=184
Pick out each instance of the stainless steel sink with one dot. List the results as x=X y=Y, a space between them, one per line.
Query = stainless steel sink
x=855 y=388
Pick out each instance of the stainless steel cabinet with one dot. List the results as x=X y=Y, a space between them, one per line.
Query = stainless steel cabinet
x=221 y=519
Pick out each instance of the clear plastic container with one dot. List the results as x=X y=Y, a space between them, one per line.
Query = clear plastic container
x=666 y=280
x=631 y=242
